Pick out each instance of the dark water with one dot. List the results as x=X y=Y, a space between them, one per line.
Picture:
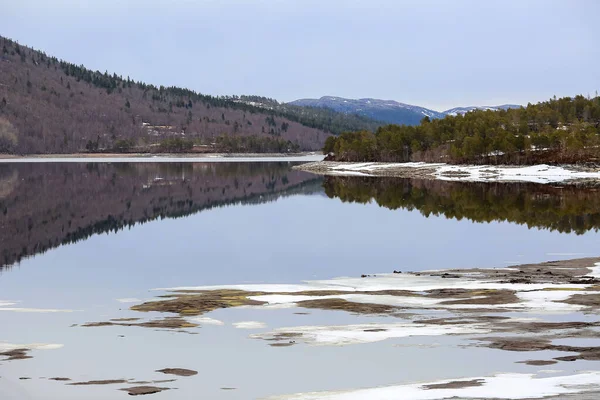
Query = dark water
x=265 y=221
x=80 y=236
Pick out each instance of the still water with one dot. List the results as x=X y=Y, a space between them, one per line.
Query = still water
x=94 y=238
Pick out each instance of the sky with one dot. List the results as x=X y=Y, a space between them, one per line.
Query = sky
x=433 y=53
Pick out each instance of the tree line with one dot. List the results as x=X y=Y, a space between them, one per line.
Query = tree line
x=564 y=130
x=254 y=144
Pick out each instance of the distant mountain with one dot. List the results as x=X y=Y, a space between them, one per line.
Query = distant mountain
x=464 y=110
x=388 y=111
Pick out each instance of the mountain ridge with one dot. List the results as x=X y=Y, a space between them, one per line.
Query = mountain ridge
x=389 y=111
x=463 y=110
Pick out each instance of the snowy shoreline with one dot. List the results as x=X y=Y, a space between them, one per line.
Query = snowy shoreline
x=541 y=173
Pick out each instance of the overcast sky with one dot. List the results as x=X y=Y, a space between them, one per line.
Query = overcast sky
x=438 y=54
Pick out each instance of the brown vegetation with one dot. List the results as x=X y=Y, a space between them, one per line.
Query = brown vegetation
x=100 y=382
x=143 y=390
x=16 y=354
x=56 y=107
x=455 y=384
x=178 y=371
x=345 y=305
x=165 y=323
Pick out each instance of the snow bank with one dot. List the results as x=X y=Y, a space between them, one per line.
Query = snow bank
x=503 y=386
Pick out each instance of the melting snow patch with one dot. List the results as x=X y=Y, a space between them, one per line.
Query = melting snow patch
x=249 y=325
x=129 y=300
x=343 y=335
x=595 y=271
x=206 y=321
x=32 y=346
x=34 y=310
x=503 y=386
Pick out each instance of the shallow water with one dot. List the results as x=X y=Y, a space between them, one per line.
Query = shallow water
x=91 y=237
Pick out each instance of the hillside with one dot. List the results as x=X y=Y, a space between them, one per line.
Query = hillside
x=52 y=106
x=565 y=130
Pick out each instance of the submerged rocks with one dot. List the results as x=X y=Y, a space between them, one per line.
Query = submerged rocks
x=165 y=323
x=16 y=354
x=538 y=363
x=99 y=382
x=455 y=384
x=178 y=371
x=143 y=390
x=345 y=305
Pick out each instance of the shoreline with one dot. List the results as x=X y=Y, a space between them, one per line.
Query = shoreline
x=541 y=173
x=164 y=157
x=152 y=155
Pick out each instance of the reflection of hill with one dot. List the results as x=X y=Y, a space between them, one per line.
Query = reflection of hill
x=53 y=204
x=565 y=209
x=8 y=181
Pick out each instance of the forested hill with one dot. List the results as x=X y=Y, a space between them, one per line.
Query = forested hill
x=565 y=130
x=52 y=106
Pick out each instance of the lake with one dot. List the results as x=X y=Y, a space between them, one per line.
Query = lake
x=82 y=242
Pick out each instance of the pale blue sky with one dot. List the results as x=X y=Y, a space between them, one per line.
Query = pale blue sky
x=437 y=54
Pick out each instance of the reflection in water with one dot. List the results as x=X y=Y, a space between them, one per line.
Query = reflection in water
x=45 y=205
x=562 y=208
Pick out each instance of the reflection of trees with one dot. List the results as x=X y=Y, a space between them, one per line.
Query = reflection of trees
x=55 y=204
x=8 y=181
x=564 y=209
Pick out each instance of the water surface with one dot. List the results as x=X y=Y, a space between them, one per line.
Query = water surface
x=81 y=236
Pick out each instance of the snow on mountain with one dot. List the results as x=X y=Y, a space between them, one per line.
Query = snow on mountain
x=463 y=110
x=389 y=111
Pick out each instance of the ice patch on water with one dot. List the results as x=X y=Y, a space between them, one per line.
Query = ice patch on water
x=249 y=325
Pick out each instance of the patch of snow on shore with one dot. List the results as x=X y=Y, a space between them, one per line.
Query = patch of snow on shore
x=533 y=297
x=535 y=173
x=541 y=173
x=378 y=282
x=502 y=386
x=595 y=271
